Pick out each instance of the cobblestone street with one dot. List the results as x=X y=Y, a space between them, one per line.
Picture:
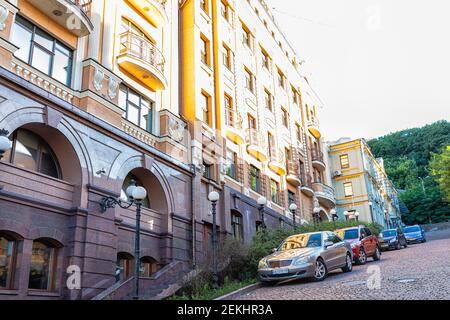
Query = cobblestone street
x=421 y=271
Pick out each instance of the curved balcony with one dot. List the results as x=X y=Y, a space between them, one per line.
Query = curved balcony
x=234 y=121
x=277 y=162
x=142 y=59
x=325 y=194
x=318 y=160
x=307 y=187
x=313 y=127
x=293 y=173
x=255 y=145
x=72 y=15
x=153 y=10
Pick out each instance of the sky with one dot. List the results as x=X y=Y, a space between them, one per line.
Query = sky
x=379 y=66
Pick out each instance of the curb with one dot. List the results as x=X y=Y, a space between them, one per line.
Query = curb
x=241 y=291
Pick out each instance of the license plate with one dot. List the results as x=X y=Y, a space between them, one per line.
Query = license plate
x=384 y=245
x=280 y=271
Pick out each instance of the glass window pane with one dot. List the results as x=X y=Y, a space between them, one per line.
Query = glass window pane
x=123 y=99
x=26 y=151
x=41 y=60
x=134 y=97
x=6 y=262
x=42 y=267
x=62 y=66
x=144 y=118
x=21 y=37
x=44 y=39
x=133 y=113
x=48 y=164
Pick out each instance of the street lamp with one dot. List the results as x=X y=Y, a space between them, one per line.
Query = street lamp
x=334 y=217
x=293 y=207
x=214 y=197
x=262 y=201
x=357 y=215
x=346 y=214
x=135 y=195
x=5 y=143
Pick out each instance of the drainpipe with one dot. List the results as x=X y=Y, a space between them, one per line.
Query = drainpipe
x=194 y=222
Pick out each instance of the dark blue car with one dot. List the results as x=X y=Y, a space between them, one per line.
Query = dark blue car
x=392 y=239
x=414 y=234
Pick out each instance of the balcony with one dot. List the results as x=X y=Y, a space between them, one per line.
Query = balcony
x=313 y=127
x=234 y=121
x=153 y=10
x=293 y=173
x=277 y=162
x=307 y=186
x=318 y=160
x=325 y=194
x=73 y=15
x=255 y=145
x=142 y=59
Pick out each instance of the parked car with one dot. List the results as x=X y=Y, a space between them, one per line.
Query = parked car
x=363 y=243
x=392 y=239
x=414 y=234
x=306 y=255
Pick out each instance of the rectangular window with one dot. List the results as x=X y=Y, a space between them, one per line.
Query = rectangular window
x=281 y=79
x=291 y=197
x=249 y=81
x=251 y=122
x=285 y=117
x=40 y=50
x=227 y=57
x=247 y=37
x=255 y=179
x=206 y=106
x=294 y=95
x=265 y=59
x=348 y=189
x=275 y=191
x=231 y=164
x=208 y=171
x=204 y=4
x=298 y=132
x=345 y=164
x=205 y=50
x=225 y=11
x=236 y=226
x=268 y=100
x=136 y=108
x=271 y=144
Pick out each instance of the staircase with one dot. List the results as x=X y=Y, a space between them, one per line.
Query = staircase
x=160 y=285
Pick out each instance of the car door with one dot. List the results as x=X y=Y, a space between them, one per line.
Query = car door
x=342 y=250
x=335 y=252
x=329 y=253
x=369 y=242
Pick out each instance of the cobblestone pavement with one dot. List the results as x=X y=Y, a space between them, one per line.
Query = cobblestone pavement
x=421 y=271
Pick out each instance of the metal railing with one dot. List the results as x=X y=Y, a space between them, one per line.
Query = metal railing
x=313 y=122
x=84 y=5
x=233 y=119
x=323 y=188
x=306 y=180
x=317 y=155
x=293 y=168
x=141 y=48
x=254 y=138
x=277 y=156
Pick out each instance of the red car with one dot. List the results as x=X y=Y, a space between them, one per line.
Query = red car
x=364 y=244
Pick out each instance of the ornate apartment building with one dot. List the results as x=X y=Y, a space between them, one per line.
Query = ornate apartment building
x=361 y=184
x=182 y=97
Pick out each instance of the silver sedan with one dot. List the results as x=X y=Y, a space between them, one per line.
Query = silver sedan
x=306 y=255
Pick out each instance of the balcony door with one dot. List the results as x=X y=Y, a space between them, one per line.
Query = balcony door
x=136 y=41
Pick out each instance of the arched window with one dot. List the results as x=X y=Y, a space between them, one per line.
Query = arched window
x=8 y=257
x=148 y=267
x=43 y=266
x=237 y=226
x=30 y=152
x=126 y=184
x=124 y=266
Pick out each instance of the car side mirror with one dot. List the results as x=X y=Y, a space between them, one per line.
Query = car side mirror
x=328 y=244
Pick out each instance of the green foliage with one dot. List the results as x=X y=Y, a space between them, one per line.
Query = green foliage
x=440 y=169
x=409 y=157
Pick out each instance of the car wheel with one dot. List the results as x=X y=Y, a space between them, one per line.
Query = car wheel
x=377 y=255
x=405 y=245
x=424 y=240
x=348 y=264
x=362 y=257
x=321 y=271
x=398 y=246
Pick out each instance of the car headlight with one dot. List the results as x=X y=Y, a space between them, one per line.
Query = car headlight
x=300 y=261
x=263 y=264
x=355 y=244
x=392 y=240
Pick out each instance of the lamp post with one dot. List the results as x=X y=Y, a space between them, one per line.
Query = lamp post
x=5 y=143
x=334 y=217
x=135 y=196
x=357 y=215
x=262 y=201
x=293 y=208
x=214 y=197
x=346 y=214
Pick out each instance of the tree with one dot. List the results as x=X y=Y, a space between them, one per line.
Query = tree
x=440 y=169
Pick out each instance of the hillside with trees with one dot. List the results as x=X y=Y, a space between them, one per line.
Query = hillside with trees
x=418 y=162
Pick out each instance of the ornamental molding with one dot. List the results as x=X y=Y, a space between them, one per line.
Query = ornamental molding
x=99 y=75
x=4 y=13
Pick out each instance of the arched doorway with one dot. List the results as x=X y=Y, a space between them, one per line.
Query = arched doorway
x=124 y=266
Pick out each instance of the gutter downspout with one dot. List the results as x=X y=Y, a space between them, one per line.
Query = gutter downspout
x=194 y=221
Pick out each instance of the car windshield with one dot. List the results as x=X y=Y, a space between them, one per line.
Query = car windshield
x=301 y=241
x=389 y=233
x=412 y=229
x=348 y=234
